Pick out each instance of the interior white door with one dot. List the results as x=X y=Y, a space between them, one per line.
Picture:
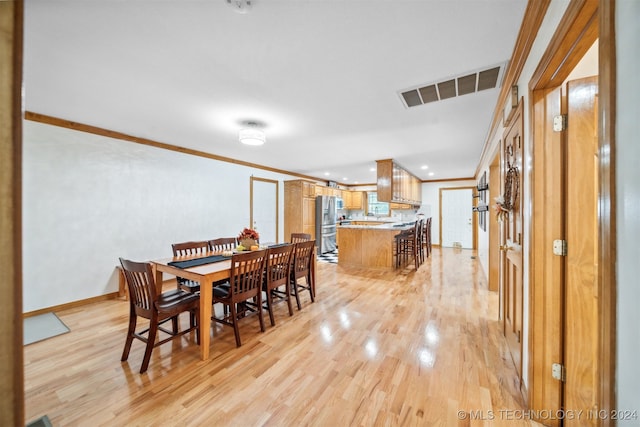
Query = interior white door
x=456 y=208
x=264 y=209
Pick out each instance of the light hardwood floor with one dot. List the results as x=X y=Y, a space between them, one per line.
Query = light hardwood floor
x=376 y=348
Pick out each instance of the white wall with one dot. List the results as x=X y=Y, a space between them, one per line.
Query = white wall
x=431 y=202
x=88 y=200
x=628 y=206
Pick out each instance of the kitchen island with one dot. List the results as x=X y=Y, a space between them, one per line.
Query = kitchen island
x=369 y=245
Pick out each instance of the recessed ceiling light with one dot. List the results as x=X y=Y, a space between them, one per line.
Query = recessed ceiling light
x=424 y=167
x=355 y=182
x=345 y=178
x=431 y=174
x=372 y=170
x=327 y=174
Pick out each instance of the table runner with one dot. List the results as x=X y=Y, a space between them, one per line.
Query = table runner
x=198 y=261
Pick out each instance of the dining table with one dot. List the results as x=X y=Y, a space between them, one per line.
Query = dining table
x=218 y=269
x=213 y=267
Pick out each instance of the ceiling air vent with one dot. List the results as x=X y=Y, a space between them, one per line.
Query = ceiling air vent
x=451 y=87
x=411 y=98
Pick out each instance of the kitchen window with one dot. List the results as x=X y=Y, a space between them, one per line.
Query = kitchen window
x=374 y=207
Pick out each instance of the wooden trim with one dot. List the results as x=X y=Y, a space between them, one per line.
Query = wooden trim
x=423 y=181
x=68 y=124
x=474 y=226
x=73 y=304
x=546 y=270
x=607 y=258
x=427 y=181
x=531 y=22
x=579 y=28
x=12 y=411
x=576 y=33
x=273 y=181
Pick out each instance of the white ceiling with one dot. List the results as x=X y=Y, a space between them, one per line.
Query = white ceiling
x=323 y=76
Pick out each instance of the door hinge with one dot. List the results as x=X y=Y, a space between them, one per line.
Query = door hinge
x=560 y=247
x=560 y=123
x=559 y=372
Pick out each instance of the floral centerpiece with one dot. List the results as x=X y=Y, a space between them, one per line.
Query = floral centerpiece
x=248 y=238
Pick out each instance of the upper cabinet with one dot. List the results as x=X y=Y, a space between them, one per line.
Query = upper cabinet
x=353 y=199
x=322 y=190
x=398 y=185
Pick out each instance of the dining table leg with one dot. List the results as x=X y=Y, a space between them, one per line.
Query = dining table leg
x=206 y=303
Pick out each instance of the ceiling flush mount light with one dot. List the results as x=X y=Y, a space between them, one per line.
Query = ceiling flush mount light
x=252 y=134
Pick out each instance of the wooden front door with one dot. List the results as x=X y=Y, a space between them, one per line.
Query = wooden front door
x=581 y=291
x=512 y=274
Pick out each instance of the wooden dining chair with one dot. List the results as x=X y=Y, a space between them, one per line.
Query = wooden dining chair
x=223 y=244
x=418 y=250
x=427 y=236
x=300 y=237
x=189 y=248
x=278 y=273
x=301 y=268
x=146 y=302
x=244 y=285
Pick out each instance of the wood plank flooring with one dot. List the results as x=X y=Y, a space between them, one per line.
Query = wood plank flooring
x=376 y=348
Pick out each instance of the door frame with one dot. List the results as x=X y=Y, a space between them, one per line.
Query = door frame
x=494 y=226
x=583 y=23
x=12 y=409
x=272 y=181
x=474 y=218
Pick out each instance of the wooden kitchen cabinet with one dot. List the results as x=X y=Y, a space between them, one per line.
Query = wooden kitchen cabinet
x=299 y=208
x=397 y=185
x=356 y=200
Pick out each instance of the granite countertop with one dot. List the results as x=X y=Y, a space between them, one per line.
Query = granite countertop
x=374 y=219
x=388 y=225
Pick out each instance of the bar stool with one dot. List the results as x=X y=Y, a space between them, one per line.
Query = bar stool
x=404 y=243
x=427 y=236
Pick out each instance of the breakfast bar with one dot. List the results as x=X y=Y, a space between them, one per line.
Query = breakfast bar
x=369 y=243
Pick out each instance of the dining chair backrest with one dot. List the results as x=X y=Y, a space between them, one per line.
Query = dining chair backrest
x=300 y=237
x=223 y=244
x=279 y=265
x=190 y=248
x=247 y=270
x=302 y=257
x=142 y=287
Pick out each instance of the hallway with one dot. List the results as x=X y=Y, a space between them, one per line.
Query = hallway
x=415 y=348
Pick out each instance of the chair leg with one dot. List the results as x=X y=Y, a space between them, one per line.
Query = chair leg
x=151 y=339
x=236 y=330
x=270 y=306
x=194 y=324
x=294 y=284
x=310 y=285
x=130 y=331
x=174 y=324
x=260 y=316
x=289 y=302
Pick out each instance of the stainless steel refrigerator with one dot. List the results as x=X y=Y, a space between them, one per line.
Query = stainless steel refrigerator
x=326 y=223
